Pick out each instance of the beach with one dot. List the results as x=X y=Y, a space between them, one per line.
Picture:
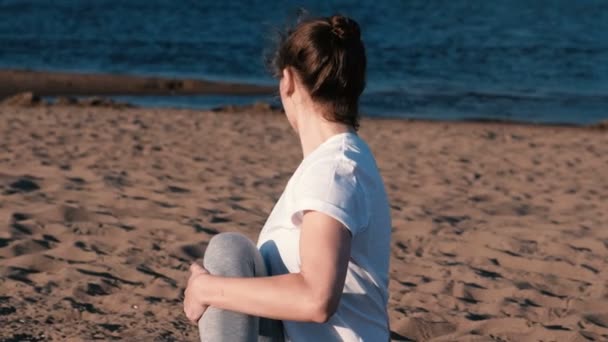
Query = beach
x=499 y=230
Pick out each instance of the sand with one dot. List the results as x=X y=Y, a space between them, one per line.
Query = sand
x=500 y=231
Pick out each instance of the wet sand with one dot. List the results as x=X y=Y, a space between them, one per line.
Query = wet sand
x=46 y=83
x=500 y=231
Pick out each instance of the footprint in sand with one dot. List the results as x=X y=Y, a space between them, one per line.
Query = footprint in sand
x=21 y=185
x=20 y=274
x=94 y=289
x=195 y=251
x=75 y=184
x=5 y=242
x=80 y=306
x=148 y=271
x=177 y=190
x=21 y=216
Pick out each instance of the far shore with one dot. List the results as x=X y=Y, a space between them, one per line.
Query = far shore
x=49 y=83
x=28 y=87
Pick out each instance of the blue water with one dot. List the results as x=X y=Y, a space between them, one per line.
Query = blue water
x=532 y=60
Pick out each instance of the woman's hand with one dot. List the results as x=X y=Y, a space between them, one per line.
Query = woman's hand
x=311 y=295
x=193 y=306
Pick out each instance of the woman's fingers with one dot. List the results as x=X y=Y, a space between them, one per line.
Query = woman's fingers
x=195 y=268
x=192 y=307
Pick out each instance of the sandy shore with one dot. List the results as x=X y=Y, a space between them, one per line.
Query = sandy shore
x=500 y=231
x=47 y=83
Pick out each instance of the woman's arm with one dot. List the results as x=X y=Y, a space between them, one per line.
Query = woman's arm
x=311 y=295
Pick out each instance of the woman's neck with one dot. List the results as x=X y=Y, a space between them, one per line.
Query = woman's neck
x=314 y=129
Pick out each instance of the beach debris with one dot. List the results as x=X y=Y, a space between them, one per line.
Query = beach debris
x=256 y=107
x=98 y=101
x=22 y=99
x=602 y=125
x=65 y=101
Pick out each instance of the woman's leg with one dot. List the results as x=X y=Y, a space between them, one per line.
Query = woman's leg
x=234 y=255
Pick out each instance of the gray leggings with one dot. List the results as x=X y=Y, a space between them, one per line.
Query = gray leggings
x=234 y=255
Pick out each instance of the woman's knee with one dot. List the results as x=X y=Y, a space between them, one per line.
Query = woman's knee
x=230 y=255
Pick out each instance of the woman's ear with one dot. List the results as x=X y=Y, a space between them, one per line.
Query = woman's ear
x=288 y=79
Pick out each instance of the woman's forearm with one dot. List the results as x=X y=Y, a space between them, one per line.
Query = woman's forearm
x=282 y=297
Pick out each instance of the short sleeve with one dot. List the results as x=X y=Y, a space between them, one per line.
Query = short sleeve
x=331 y=187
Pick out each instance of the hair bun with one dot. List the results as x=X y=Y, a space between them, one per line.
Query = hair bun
x=344 y=28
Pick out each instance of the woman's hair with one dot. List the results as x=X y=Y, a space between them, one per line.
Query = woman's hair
x=329 y=56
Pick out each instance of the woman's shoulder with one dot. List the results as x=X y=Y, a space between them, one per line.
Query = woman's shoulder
x=344 y=148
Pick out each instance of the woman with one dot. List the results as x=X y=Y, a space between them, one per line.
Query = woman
x=321 y=263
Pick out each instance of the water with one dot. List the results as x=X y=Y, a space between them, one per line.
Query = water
x=538 y=61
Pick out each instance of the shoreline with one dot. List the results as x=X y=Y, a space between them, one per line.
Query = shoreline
x=50 y=83
x=30 y=99
x=69 y=88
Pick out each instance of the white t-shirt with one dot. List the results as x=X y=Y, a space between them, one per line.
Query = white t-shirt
x=339 y=178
